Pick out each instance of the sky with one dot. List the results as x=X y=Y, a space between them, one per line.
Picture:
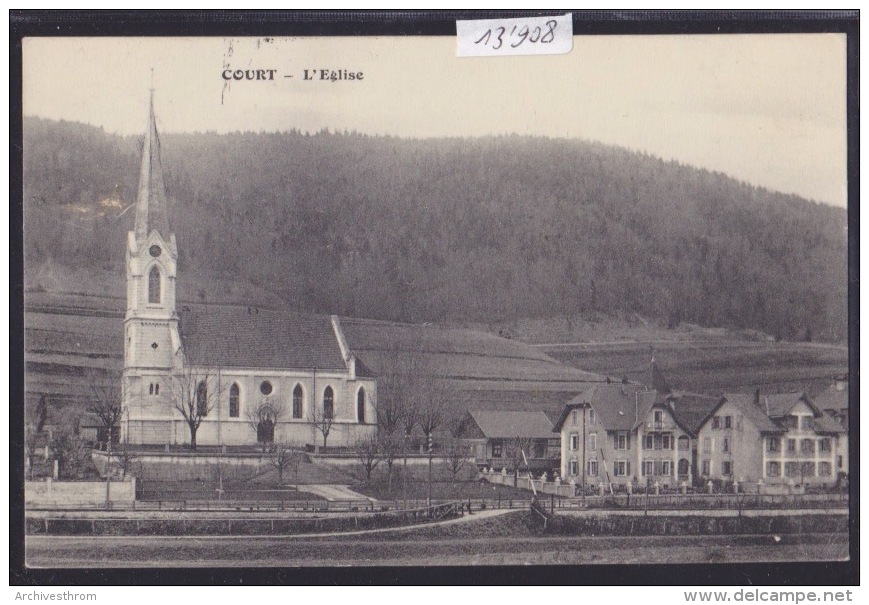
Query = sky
x=767 y=109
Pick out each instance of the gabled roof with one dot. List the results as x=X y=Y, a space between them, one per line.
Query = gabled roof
x=749 y=410
x=826 y=424
x=256 y=338
x=690 y=410
x=512 y=425
x=781 y=404
x=619 y=407
x=832 y=398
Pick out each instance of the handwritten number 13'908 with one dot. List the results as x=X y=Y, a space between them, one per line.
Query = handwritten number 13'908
x=543 y=35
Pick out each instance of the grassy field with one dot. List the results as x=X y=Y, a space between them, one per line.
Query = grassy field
x=713 y=367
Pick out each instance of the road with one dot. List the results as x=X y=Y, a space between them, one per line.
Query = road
x=388 y=550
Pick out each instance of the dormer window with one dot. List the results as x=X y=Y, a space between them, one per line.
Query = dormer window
x=154 y=286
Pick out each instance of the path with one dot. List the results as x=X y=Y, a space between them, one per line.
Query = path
x=331 y=492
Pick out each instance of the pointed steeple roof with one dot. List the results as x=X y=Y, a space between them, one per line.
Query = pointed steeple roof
x=151 y=210
x=656 y=377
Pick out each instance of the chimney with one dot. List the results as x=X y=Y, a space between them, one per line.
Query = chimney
x=757 y=397
x=840 y=383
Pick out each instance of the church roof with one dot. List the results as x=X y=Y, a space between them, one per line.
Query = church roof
x=247 y=337
x=151 y=208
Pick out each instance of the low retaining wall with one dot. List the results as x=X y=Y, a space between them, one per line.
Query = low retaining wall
x=41 y=525
x=51 y=493
x=688 y=525
x=191 y=466
x=524 y=482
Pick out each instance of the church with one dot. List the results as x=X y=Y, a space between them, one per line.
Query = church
x=229 y=375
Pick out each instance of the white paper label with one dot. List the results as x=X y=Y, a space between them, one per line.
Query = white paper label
x=524 y=36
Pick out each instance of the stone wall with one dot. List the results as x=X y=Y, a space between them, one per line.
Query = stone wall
x=70 y=494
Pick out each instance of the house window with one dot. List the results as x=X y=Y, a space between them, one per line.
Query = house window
x=773 y=444
x=497 y=448
x=648 y=468
x=840 y=462
x=648 y=442
x=706 y=465
x=621 y=468
x=807 y=422
x=621 y=441
x=592 y=468
x=716 y=423
x=574 y=467
x=592 y=442
x=658 y=416
x=297 y=401
x=792 y=446
x=539 y=446
x=807 y=469
x=773 y=469
x=739 y=422
x=667 y=442
x=807 y=446
x=725 y=468
x=574 y=442
x=328 y=403
x=824 y=445
x=574 y=417
x=233 y=400
x=154 y=286
x=202 y=399
x=728 y=422
x=792 y=469
x=824 y=469
x=790 y=422
x=725 y=445
x=592 y=417
x=707 y=445
x=684 y=443
x=666 y=468
x=360 y=406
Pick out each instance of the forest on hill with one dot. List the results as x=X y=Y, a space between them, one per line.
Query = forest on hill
x=441 y=230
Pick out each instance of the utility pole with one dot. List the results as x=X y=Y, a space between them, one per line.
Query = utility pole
x=584 y=447
x=429 y=467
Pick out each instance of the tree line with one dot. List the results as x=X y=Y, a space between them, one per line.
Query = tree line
x=487 y=229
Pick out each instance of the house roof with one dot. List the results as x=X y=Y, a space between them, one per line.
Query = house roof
x=826 y=424
x=690 y=410
x=832 y=398
x=781 y=404
x=242 y=337
x=619 y=407
x=754 y=414
x=512 y=425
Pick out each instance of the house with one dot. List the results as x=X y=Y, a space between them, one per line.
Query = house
x=221 y=376
x=834 y=402
x=510 y=440
x=623 y=433
x=691 y=409
x=774 y=438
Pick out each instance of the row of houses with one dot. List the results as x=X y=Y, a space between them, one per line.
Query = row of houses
x=619 y=433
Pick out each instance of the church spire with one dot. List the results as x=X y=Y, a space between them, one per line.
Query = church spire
x=151 y=211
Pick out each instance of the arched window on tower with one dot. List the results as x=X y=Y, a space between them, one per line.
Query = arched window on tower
x=154 y=285
x=328 y=403
x=297 y=401
x=202 y=399
x=360 y=406
x=233 y=400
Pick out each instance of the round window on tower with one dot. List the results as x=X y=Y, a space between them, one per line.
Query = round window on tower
x=265 y=388
x=155 y=250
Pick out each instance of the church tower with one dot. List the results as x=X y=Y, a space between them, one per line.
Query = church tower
x=151 y=340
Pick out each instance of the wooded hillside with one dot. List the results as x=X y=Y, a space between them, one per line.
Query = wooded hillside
x=449 y=229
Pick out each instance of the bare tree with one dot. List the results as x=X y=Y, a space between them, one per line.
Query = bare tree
x=194 y=392
x=107 y=396
x=264 y=418
x=284 y=457
x=517 y=451
x=369 y=455
x=124 y=458
x=434 y=401
x=322 y=421
x=34 y=425
x=455 y=456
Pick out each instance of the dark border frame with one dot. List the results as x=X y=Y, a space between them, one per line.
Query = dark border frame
x=430 y=23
